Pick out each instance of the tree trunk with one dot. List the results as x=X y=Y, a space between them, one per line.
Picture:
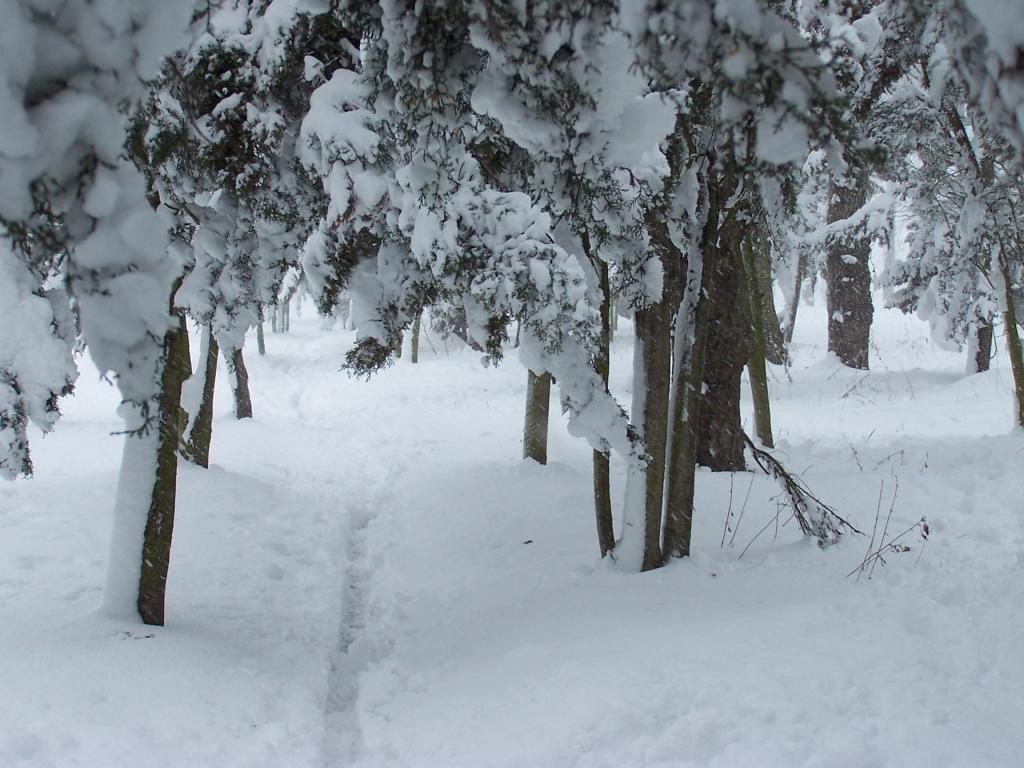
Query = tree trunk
x=720 y=444
x=761 y=266
x=653 y=345
x=200 y=430
x=156 y=547
x=849 y=276
x=691 y=347
x=144 y=508
x=756 y=362
x=794 y=304
x=538 y=404
x=239 y=377
x=261 y=343
x=979 y=348
x=601 y=460
x=1012 y=333
x=414 y=347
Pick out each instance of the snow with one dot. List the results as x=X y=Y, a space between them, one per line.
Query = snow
x=368 y=575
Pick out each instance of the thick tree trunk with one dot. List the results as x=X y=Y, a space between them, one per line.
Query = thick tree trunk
x=691 y=350
x=601 y=460
x=654 y=345
x=538 y=404
x=720 y=444
x=239 y=378
x=414 y=348
x=979 y=348
x=144 y=509
x=849 y=276
x=756 y=362
x=200 y=431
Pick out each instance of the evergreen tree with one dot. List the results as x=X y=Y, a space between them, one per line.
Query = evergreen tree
x=71 y=205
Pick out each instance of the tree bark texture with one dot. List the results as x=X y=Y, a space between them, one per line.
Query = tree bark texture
x=414 y=348
x=601 y=460
x=156 y=545
x=688 y=377
x=261 y=343
x=850 y=309
x=199 y=437
x=720 y=444
x=240 y=384
x=654 y=343
x=538 y=405
x=981 y=348
x=761 y=266
x=1012 y=332
x=794 y=304
x=756 y=367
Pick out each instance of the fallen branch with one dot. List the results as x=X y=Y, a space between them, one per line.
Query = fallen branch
x=815 y=517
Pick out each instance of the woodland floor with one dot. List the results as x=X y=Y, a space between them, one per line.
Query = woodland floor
x=368 y=575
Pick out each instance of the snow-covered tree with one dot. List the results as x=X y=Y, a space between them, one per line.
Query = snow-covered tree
x=218 y=134
x=963 y=191
x=413 y=218
x=71 y=204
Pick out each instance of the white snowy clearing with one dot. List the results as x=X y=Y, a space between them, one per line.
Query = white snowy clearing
x=368 y=575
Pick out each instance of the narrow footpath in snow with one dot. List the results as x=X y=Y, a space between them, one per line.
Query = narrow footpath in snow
x=369 y=575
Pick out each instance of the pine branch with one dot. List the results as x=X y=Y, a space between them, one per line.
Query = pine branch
x=815 y=517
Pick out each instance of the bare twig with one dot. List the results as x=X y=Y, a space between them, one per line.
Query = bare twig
x=893 y=547
x=743 y=509
x=874 y=528
x=885 y=529
x=725 y=529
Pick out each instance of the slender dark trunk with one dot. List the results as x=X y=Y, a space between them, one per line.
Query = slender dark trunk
x=1012 y=333
x=756 y=363
x=414 y=348
x=761 y=276
x=981 y=348
x=602 y=469
x=538 y=405
x=849 y=275
x=720 y=444
x=156 y=542
x=794 y=305
x=197 y=447
x=240 y=384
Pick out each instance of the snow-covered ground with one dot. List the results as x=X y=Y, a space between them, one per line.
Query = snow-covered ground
x=368 y=575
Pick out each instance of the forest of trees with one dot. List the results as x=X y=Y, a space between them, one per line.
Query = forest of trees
x=517 y=174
